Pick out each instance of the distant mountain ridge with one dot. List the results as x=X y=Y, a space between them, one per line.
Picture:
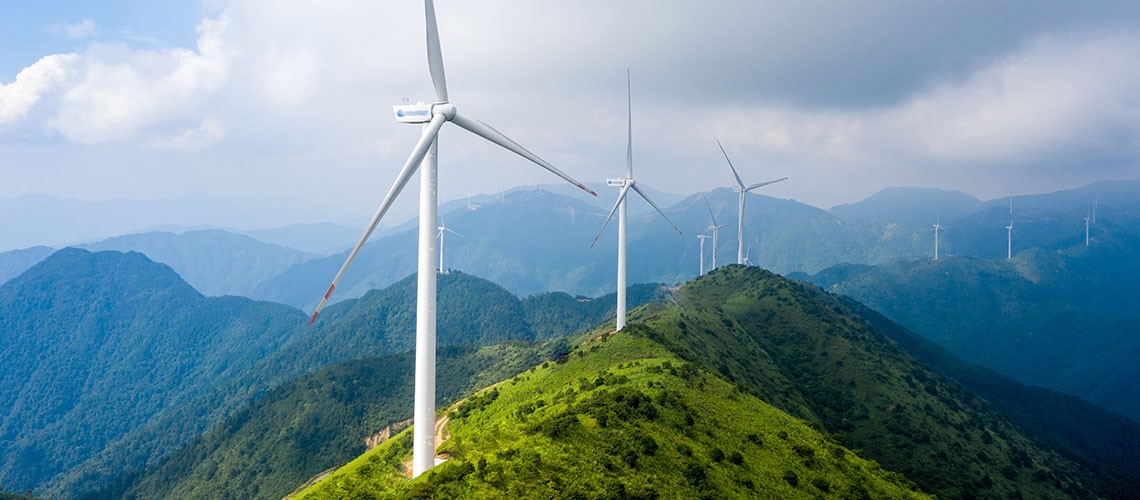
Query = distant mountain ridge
x=910 y=206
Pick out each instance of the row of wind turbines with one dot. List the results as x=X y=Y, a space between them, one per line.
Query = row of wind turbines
x=1089 y=219
x=431 y=117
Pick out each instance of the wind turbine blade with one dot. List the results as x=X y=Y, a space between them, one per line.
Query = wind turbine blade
x=621 y=196
x=629 y=122
x=402 y=179
x=646 y=197
x=435 y=55
x=762 y=184
x=709 y=207
x=448 y=229
x=487 y=132
x=734 y=173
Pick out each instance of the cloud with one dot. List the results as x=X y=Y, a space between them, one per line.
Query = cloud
x=81 y=29
x=31 y=83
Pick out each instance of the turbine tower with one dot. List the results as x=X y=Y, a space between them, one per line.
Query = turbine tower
x=1009 y=231
x=703 y=237
x=742 y=189
x=443 y=229
x=1087 y=230
x=715 y=228
x=431 y=117
x=937 y=227
x=626 y=184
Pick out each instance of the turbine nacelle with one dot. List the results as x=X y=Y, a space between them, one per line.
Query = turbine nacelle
x=421 y=112
x=619 y=182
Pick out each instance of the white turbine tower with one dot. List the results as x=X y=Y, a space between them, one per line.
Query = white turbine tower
x=937 y=227
x=1009 y=231
x=715 y=228
x=1087 y=219
x=743 y=190
x=702 y=238
x=431 y=116
x=443 y=229
x=626 y=184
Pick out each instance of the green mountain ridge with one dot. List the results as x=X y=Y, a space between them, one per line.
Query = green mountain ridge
x=1063 y=320
x=112 y=360
x=746 y=337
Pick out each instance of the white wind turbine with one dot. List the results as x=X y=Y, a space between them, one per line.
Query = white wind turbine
x=747 y=254
x=443 y=229
x=715 y=228
x=626 y=184
x=431 y=116
x=1087 y=219
x=743 y=190
x=1009 y=230
x=937 y=227
x=702 y=238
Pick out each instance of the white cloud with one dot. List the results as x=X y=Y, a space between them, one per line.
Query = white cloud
x=204 y=135
x=117 y=93
x=18 y=97
x=81 y=29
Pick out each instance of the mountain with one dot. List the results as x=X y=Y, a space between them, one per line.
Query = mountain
x=112 y=360
x=619 y=418
x=538 y=241
x=43 y=220
x=322 y=238
x=318 y=421
x=1062 y=320
x=97 y=345
x=910 y=206
x=214 y=262
x=15 y=262
x=739 y=382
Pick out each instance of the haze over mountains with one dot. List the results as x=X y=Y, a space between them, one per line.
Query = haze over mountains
x=1059 y=315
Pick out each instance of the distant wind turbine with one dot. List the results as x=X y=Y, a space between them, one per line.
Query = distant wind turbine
x=626 y=184
x=443 y=229
x=937 y=227
x=743 y=190
x=702 y=238
x=715 y=228
x=1009 y=230
x=748 y=254
x=1087 y=230
x=431 y=117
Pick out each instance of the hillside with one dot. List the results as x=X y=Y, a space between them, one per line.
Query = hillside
x=214 y=262
x=96 y=345
x=537 y=241
x=319 y=421
x=151 y=363
x=739 y=336
x=15 y=262
x=1062 y=320
x=620 y=417
x=910 y=206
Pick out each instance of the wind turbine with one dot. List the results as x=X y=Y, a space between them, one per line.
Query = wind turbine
x=626 y=184
x=742 y=189
x=443 y=229
x=937 y=227
x=1087 y=218
x=431 y=117
x=1009 y=230
x=747 y=254
x=703 y=237
x=714 y=228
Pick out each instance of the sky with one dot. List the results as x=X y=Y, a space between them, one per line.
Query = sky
x=290 y=103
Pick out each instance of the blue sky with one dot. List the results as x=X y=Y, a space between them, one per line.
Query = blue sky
x=289 y=102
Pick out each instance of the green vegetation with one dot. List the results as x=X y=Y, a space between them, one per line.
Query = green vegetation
x=809 y=354
x=620 y=417
x=558 y=314
x=320 y=421
x=1063 y=320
